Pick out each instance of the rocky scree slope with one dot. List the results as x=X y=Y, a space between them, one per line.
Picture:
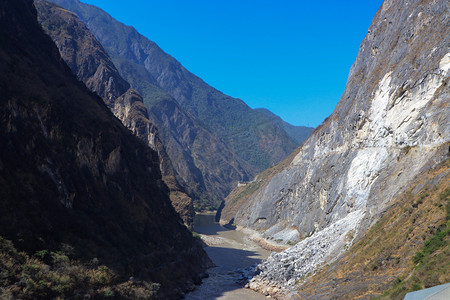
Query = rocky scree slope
x=251 y=136
x=91 y=64
x=72 y=174
x=352 y=167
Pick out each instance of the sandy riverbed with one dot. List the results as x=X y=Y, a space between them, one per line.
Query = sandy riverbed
x=232 y=252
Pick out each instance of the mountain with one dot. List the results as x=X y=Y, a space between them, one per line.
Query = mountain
x=91 y=64
x=208 y=169
x=252 y=136
x=249 y=134
x=390 y=128
x=78 y=190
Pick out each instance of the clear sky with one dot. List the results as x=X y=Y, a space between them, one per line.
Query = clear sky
x=290 y=56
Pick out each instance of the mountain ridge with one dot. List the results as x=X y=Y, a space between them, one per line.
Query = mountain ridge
x=207 y=181
x=296 y=132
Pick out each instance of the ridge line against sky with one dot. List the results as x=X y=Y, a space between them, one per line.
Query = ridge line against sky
x=291 y=57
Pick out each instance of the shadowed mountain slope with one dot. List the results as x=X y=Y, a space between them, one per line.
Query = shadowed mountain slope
x=92 y=65
x=72 y=174
x=206 y=166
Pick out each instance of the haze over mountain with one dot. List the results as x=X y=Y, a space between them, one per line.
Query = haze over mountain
x=77 y=186
x=389 y=134
x=255 y=138
x=297 y=133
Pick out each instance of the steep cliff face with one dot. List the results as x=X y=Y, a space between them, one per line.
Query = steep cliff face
x=205 y=163
x=81 y=51
x=392 y=124
x=207 y=167
x=91 y=64
x=72 y=174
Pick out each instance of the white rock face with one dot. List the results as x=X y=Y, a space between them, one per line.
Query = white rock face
x=392 y=123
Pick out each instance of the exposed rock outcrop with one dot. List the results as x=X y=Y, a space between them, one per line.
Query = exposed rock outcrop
x=92 y=65
x=72 y=174
x=391 y=125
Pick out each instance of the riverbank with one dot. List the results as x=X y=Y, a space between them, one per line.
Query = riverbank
x=235 y=256
x=255 y=236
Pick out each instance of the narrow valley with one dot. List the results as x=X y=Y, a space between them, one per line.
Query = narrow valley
x=114 y=156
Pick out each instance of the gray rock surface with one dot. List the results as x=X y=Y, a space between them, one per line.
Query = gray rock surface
x=392 y=123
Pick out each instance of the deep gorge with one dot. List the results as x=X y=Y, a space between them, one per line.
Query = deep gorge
x=113 y=156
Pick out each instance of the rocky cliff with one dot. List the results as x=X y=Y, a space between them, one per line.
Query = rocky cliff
x=246 y=141
x=391 y=125
x=91 y=64
x=72 y=176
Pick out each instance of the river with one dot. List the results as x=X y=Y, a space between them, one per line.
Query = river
x=232 y=252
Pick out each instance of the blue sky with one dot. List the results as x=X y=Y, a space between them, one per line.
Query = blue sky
x=292 y=57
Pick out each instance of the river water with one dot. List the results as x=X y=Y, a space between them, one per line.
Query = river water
x=232 y=252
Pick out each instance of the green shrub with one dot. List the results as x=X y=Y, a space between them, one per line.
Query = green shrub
x=25 y=277
x=41 y=254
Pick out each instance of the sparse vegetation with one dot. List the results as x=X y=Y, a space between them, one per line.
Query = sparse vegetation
x=247 y=191
x=47 y=275
x=432 y=261
x=196 y=235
